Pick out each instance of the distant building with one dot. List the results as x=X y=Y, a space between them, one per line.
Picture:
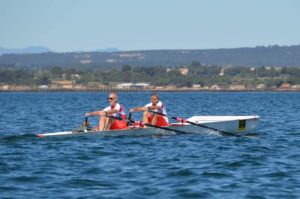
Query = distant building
x=168 y=70
x=111 y=60
x=215 y=87
x=285 y=86
x=268 y=67
x=43 y=87
x=20 y=88
x=222 y=72
x=261 y=86
x=124 y=85
x=159 y=87
x=205 y=88
x=79 y=87
x=196 y=86
x=102 y=86
x=93 y=84
x=184 y=71
x=62 y=84
x=142 y=85
x=237 y=87
x=75 y=76
x=14 y=87
x=5 y=87
x=296 y=87
x=170 y=87
x=184 y=88
x=133 y=86
x=86 y=61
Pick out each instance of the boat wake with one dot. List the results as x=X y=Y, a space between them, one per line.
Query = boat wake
x=210 y=132
x=220 y=134
x=252 y=135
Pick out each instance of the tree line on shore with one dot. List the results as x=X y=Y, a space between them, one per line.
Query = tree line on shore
x=184 y=76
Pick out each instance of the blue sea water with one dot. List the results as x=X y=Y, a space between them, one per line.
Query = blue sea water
x=266 y=165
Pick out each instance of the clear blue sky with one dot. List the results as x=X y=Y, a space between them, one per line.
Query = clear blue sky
x=69 y=25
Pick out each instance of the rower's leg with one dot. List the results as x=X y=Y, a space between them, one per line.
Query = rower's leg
x=145 y=118
x=109 y=123
x=154 y=119
x=102 y=123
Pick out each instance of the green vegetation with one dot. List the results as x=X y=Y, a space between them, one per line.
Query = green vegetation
x=187 y=76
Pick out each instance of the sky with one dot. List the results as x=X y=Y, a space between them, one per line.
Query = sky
x=87 y=25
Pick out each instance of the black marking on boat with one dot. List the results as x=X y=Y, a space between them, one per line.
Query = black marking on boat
x=242 y=125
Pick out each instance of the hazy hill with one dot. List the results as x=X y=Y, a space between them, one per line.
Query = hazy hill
x=258 y=56
x=31 y=49
x=107 y=50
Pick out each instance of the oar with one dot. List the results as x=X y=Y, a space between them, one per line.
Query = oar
x=86 y=122
x=196 y=124
x=129 y=118
x=150 y=125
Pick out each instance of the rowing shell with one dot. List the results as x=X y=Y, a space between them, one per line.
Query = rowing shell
x=233 y=124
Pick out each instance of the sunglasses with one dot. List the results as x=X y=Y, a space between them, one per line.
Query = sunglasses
x=110 y=98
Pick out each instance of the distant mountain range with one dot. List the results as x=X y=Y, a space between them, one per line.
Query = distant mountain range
x=108 y=50
x=28 y=50
x=41 y=49
x=37 y=57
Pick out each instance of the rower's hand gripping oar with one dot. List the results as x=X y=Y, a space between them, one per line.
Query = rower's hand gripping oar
x=86 y=124
x=196 y=124
x=84 y=127
x=147 y=124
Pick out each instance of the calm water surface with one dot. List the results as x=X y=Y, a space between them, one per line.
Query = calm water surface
x=208 y=165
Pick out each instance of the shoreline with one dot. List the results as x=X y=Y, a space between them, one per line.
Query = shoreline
x=147 y=90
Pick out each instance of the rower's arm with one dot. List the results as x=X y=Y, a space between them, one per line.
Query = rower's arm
x=112 y=111
x=95 y=113
x=136 y=109
x=145 y=108
x=154 y=107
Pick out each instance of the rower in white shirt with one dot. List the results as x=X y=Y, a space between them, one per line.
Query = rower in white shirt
x=116 y=110
x=156 y=106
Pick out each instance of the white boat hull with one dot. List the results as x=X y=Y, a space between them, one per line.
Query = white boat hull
x=234 y=125
x=113 y=133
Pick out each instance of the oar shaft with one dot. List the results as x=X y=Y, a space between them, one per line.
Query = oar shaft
x=129 y=118
x=86 y=121
x=211 y=128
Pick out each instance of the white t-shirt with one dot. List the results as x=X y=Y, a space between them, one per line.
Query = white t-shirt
x=162 y=109
x=119 y=108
